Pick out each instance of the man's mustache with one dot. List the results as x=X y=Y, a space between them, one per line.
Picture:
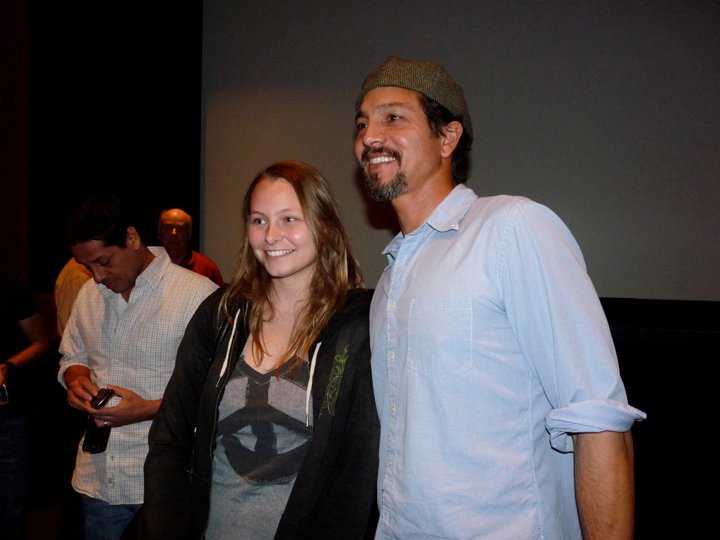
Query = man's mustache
x=379 y=150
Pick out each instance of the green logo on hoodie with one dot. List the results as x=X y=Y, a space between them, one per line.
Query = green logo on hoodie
x=336 y=375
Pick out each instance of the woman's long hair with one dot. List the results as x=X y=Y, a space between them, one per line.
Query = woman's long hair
x=336 y=269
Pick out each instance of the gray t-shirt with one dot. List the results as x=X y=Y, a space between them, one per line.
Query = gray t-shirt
x=261 y=440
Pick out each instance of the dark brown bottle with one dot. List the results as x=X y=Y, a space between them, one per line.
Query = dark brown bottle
x=96 y=438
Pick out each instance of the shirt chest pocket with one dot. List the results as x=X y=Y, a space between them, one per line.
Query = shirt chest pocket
x=440 y=337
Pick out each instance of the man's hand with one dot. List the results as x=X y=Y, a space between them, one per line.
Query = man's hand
x=80 y=387
x=131 y=409
x=3 y=380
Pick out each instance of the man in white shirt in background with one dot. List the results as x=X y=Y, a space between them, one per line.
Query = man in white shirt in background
x=123 y=333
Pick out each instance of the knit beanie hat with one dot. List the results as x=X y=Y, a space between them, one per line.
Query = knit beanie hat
x=426 y=77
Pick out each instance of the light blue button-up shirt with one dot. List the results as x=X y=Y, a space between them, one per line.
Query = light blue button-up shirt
x=490 y=347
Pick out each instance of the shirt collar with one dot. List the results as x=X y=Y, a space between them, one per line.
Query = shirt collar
x=151 y=276
x=190 y=260
x=448 y=214
x=445 y=217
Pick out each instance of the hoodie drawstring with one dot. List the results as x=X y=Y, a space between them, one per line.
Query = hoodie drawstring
x=309 y=385
x=308 y=392
x=229 y=347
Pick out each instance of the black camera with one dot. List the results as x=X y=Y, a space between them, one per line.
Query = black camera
x=101 y=398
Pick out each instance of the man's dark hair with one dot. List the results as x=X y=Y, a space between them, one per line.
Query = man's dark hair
x=439 y=117
x=101 y=216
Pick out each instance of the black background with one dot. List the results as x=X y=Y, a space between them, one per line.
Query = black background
x=114 y=105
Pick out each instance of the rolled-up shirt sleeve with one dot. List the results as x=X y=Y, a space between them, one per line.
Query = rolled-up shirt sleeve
x=591 y=416
x=561 y=327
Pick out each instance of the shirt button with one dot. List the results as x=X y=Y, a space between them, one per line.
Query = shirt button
x=393 y=306
x=393 y=409
x=391 y=356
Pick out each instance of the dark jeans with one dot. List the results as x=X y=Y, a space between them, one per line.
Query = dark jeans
x=105 y=521
x=14 y=477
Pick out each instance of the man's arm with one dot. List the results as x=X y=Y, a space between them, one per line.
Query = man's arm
x=604 y=484
x=34 y=330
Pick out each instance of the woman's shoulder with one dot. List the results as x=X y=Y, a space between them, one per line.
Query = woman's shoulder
x=354 y=313
x=211 y=303
x=358 y=297
x=357 y=304
x=210 y=310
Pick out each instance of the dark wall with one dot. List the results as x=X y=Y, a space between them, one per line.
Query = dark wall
x=606 y=112
x=13 y=133
x=667 y=352
x=114 y=105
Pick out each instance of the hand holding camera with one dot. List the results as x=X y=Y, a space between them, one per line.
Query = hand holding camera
x=5 y=371
x=101 y=398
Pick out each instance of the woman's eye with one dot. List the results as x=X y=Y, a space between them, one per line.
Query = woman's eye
x=393 y=117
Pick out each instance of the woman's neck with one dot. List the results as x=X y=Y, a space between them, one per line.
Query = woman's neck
x=289 y=297
x=280 y=323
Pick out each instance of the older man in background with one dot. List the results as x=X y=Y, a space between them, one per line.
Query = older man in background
x=174 y=231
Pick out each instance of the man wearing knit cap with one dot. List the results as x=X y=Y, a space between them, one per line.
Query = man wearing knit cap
x=502 y=409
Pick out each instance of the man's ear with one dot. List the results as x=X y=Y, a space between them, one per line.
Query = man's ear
x=450 y=138
x=132 y=238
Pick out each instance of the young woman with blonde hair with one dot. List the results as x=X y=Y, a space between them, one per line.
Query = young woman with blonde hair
x=268 y=427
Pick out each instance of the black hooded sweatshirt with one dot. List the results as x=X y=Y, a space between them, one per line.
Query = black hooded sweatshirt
x=334 y=492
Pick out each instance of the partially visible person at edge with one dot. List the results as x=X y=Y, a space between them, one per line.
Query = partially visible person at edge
x=67 y=286
x=123 y=333
x=277 y=435
x=174 y=231
x=23 y=340
x=502 y=410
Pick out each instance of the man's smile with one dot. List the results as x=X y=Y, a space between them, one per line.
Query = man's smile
x=378 y=156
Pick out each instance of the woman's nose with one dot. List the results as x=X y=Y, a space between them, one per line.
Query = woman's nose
x=272 y=233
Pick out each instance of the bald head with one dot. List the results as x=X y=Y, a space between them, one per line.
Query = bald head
x=174 y=231
x=175 y=215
